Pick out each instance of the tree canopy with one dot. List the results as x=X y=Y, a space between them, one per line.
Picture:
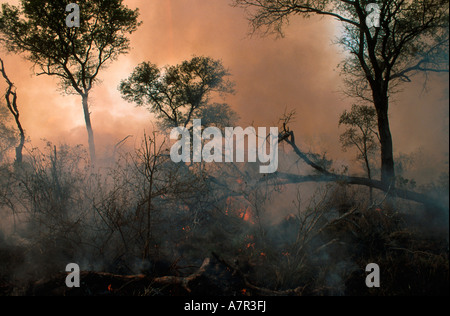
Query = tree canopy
x=73 y=54
x=177 y=94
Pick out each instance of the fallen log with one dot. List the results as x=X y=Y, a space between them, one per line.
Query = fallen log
x=183 y=281
x=326 y=176
x=103 y=283
x=260 y=290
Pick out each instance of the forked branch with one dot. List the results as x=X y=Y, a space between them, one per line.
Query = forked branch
x=287 y=136
x=11 y=104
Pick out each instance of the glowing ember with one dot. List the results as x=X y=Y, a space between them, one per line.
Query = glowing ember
x=290 y=217
x=245 y=214
x=110 y=288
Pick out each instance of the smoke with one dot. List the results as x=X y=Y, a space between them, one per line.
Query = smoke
x=297 y=72
x=272 y=75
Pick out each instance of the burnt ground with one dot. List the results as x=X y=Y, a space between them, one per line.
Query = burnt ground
x=413 y=261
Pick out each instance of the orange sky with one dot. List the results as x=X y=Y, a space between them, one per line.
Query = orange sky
x=298 y=72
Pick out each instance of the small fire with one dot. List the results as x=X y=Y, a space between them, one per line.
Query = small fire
x=244 y=291
x=246 y=215
x=263 y=254
x=110 y=289
x=230 y=200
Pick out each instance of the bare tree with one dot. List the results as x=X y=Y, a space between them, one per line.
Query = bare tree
x=11 y=104
x=8 y=137
x=361 y=123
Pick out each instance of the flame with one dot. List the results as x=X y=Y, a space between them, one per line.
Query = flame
x=110 y=288
x=245 y=214
x=244 y=291
x=263 y=254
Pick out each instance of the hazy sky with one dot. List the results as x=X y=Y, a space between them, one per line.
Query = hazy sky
x=296 y=72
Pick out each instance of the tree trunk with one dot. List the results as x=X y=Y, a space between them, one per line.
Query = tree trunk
x=369 y=173
x=19 y=149
x=11 y=104
x=87 y=118
x=387 y=155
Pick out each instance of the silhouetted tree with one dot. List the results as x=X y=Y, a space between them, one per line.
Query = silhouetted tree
x=75 y=55
x=412 y=37
x=177 y=94
x=7 y=133
x=11 y=104
x=361 y=122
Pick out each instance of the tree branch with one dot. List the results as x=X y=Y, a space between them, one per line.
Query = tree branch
x=11 y=104
x=183 y=281
x=327 y=176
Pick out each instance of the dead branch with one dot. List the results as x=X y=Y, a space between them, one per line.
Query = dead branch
x=414 y=252
x=121 y=142
x=117 y=277
x=183 y=281
x=327 y=176
x=341 y=218
x=263 y=291
x=167 y=280
x=334 y=241
x=56 y=284
x=11 y=104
